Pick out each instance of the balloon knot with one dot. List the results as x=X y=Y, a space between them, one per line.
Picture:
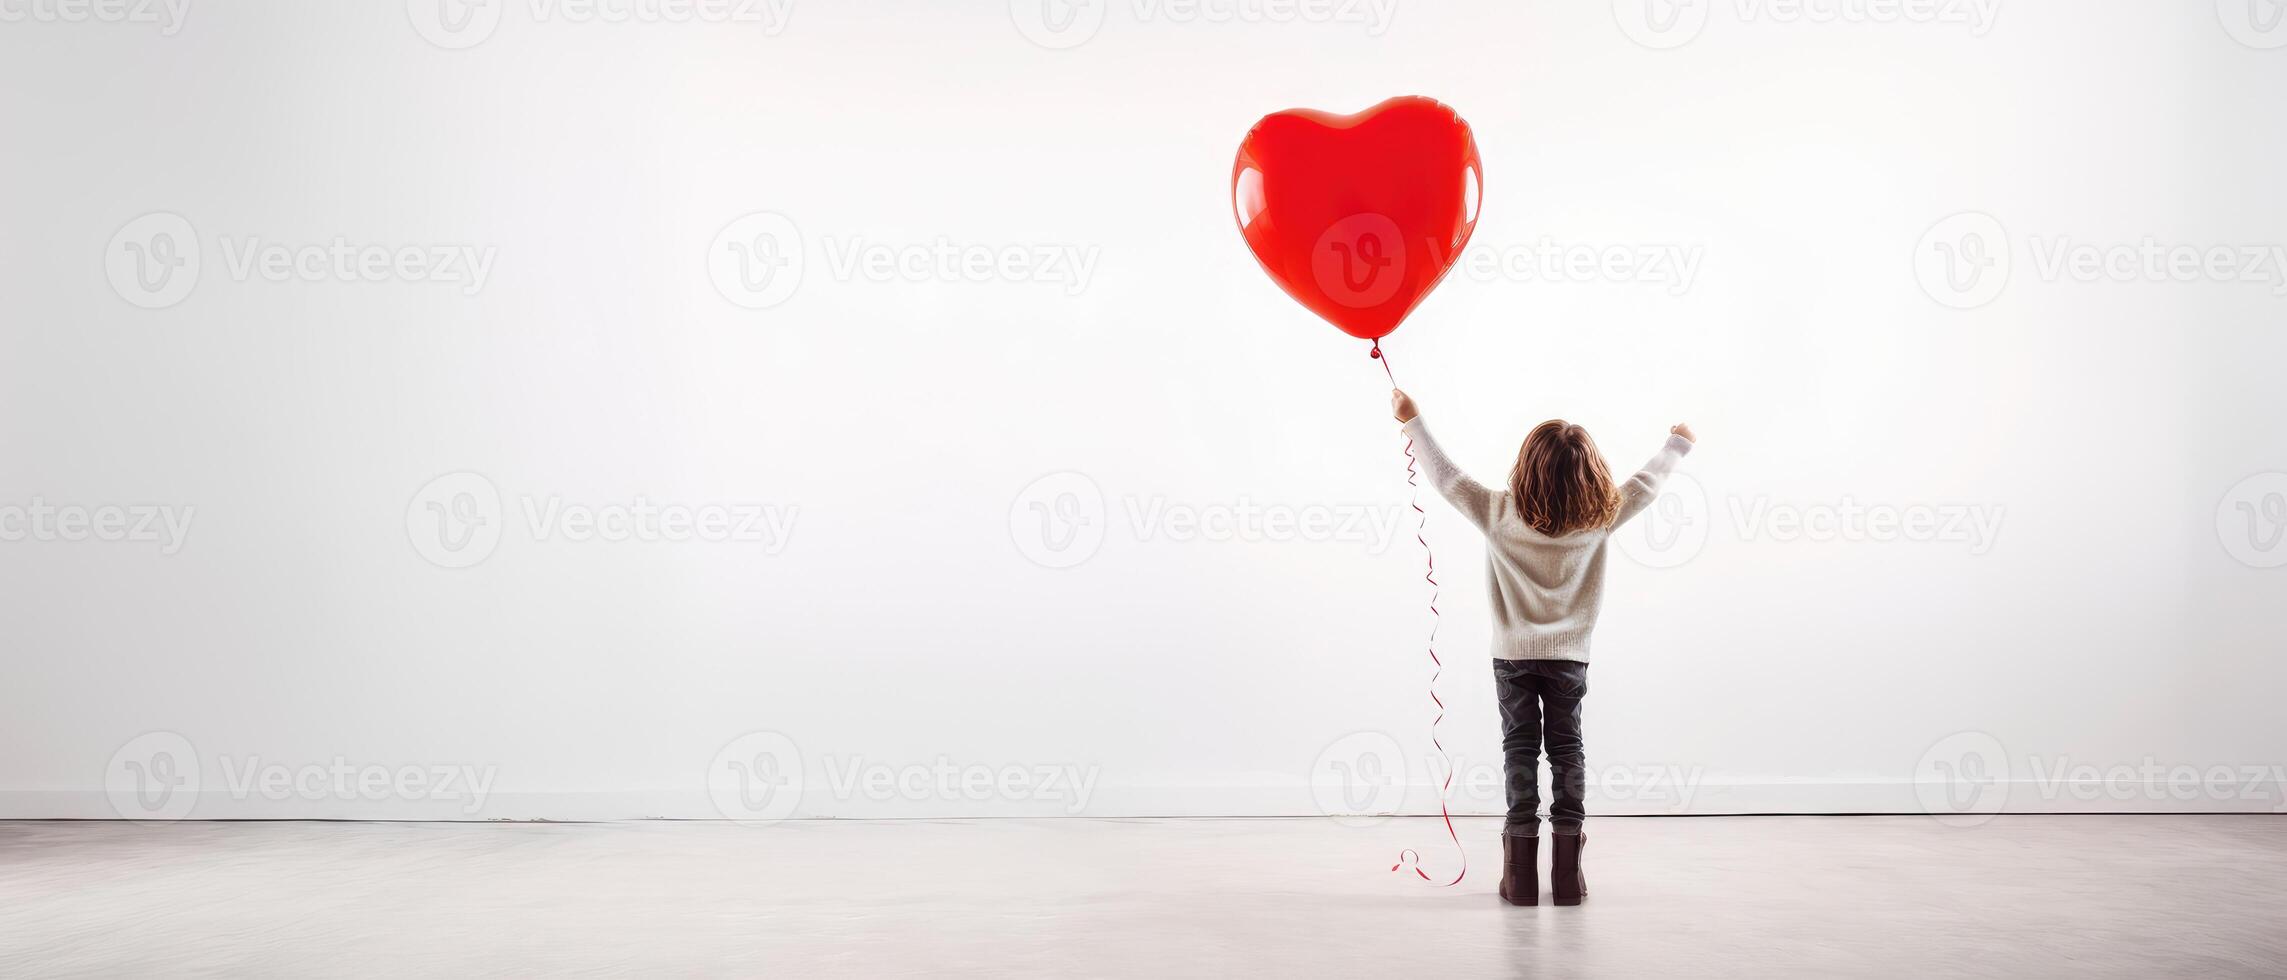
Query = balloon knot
x=1376 y=353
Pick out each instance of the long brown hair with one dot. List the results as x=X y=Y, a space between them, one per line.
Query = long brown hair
x=1560 y=483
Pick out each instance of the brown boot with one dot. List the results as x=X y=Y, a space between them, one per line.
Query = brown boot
x=1566 y=884
x=1520 y=869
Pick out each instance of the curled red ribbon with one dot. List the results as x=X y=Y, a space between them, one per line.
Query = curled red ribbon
x=1409 y=856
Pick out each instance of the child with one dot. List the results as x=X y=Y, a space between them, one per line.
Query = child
x=1545 y=537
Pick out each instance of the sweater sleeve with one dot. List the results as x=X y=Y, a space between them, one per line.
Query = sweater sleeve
x=1641 y=489
x=1466 y=495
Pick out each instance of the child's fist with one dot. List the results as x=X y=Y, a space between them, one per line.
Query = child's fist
x=1401 y=405
x=1684 y=430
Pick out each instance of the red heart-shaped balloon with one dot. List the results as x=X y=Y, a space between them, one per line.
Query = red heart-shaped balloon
x=1358 y=217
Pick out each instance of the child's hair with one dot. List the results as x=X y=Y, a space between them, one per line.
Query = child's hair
x=1561 y=484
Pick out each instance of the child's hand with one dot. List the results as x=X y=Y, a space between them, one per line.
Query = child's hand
x=1401 y=405
x=1684 y=430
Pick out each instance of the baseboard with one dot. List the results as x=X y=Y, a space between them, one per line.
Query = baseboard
x=1703 y=797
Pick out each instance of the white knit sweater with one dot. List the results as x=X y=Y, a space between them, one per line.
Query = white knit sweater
x=1546 y=591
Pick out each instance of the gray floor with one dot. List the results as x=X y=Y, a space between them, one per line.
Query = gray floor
x=1712 y=896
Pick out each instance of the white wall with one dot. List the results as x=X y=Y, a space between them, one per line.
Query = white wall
x=902 y=423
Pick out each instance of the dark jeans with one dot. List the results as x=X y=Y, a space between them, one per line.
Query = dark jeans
x=1540 y=703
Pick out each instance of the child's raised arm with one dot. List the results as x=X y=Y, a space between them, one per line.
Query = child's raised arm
x=1641 y=489
x=1466 y=495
